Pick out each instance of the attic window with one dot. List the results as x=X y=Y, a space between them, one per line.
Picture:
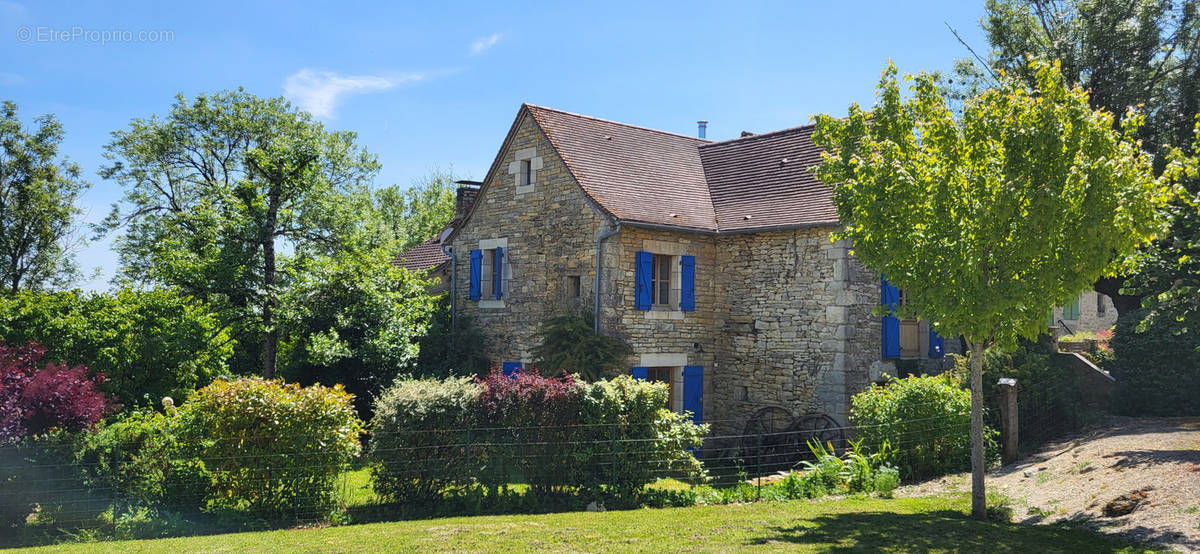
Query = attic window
x=526 y=172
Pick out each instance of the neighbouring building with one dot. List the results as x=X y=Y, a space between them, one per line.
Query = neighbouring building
x=429 y=256
x=712 y=260
x=1090 y=312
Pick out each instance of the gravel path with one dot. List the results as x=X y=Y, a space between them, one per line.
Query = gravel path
x=1157 y=459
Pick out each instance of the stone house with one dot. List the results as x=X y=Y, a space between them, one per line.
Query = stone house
x=712 y=260
x=1090 y=312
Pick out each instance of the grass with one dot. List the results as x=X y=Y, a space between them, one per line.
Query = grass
x=930 y=524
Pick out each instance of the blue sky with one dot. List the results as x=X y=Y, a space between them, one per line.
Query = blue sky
x=436 y=84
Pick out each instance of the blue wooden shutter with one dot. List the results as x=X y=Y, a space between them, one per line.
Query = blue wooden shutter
x=476 y=269
x=890 y=296
x=510 y=369
x=638 y=373
x=936 y=344
x=687 y=282
x=643 y=273
x=498 y=266
x=693 y=391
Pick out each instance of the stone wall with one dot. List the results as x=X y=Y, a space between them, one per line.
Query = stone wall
x=1090 y=317
x=550 y=234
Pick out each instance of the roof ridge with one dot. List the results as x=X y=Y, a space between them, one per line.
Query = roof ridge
x=761 y=135
x=594 y=118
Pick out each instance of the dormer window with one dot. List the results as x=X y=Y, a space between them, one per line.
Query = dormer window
x=526 y=173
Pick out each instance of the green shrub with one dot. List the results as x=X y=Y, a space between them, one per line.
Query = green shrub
x=926 y=419
x=271 y=447
x=148 y=343
x=886 y=481
x=567 y=343
x=1157 y=371
x=142 y=459
x=420 y=438
x=451 y=347
x=629 y=438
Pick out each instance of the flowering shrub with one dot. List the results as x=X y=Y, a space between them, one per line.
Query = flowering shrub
x=35 y=401
x=533 y=415
x=271 y=447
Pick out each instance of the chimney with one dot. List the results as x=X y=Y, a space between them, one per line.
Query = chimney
x=703 y=127
x=465 y=198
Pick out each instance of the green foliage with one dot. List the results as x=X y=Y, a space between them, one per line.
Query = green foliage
x=1157 y=373
x=432 y=440
x=930 y=200
x=926 y=419
x=354 y=320
x=148 y=343
x=567 y=343
x=421 y=211
x=217 y=187
x=421 y=438
x=451 y=348
x=271 y=448
x=142 y=459
x=38 y=190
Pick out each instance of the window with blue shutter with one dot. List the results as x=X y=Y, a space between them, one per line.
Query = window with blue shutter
x=687 y=283
x=638 y=373
x=510 y=369
x=693 y=391
x=643 y=271
x=889 y=296
x=476 y=270
x=936 y=344
x=498 y=272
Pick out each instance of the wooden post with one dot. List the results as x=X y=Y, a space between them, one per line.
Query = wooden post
x=1010 y=423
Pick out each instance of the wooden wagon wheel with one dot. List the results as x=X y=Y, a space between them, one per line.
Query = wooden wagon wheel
x=819 y=428
x=769 y=443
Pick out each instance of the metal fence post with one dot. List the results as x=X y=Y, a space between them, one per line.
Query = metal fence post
x=1009 y=420
x=758 y=465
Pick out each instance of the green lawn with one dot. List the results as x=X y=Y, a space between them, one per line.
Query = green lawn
x=934 y=524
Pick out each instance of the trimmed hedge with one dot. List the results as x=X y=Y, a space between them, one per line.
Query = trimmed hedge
x=561 y=436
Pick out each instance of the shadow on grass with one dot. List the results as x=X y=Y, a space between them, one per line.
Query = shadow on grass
x=932 y=531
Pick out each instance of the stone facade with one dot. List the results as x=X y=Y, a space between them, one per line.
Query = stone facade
x=1096 y=313
x=782 y=318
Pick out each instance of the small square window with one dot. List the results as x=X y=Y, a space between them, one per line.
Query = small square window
x=661 y=280
x=574 y=284
x=526 y=172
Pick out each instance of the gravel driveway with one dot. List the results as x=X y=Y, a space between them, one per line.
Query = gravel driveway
x=1156 y=459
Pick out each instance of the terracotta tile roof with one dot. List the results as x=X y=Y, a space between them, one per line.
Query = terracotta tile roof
x=634 y=173
x=423 y=256
x=765 y=181
x=641 y=175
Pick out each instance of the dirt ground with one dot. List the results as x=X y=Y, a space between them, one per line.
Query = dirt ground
x=1157 y=459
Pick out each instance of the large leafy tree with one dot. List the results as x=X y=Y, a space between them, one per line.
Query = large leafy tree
x=225 y=190
x=989 y=219
x=38 y=190
x=421 y=211
x=1125 y=53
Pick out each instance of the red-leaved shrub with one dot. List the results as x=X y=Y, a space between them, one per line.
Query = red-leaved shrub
x=535 y=414
x=34 y=401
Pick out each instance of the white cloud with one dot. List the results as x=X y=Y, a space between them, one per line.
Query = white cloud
x=320 y=92
x=484 y=43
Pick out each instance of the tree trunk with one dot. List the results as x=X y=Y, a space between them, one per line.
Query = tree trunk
x=978 y=496
x=270 y=335
x=1111 y=287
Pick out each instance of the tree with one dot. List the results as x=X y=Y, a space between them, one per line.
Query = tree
x=1125 y=53
x=989 y=220
x=354 y=320
x=219 y=191
x=38 y=189
x=414 y=215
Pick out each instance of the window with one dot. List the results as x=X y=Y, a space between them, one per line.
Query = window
x=1071 y=310
x=663 y=375
x=526 y=172
x=661 y=280
x=1101 y=305
x=487 y=273
x=573 y=286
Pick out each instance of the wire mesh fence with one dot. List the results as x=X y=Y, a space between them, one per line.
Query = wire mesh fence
x=59 y=487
